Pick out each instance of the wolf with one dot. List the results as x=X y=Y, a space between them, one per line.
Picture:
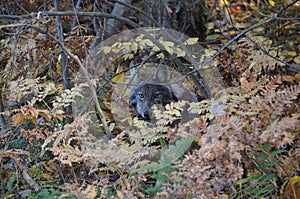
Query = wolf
x=156 y=84
x=147 y=95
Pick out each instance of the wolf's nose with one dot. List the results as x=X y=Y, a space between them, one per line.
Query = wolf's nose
x=146 y=115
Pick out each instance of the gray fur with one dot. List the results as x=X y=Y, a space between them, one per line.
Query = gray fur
x=156 y=83
x=144 y=97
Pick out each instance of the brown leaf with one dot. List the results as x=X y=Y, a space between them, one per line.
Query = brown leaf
x=288 y=78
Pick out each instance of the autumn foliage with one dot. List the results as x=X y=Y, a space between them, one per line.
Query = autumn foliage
x=242 y=142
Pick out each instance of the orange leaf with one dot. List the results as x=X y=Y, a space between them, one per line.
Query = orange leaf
x=288 y=78
x=236 y=9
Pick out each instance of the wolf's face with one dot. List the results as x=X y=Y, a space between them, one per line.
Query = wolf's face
x=144 y=97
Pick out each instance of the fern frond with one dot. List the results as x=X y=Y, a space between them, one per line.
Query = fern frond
x=268 y=85
x=172 y=113
x=285 y=99
x=279 y=133
x=260 y=62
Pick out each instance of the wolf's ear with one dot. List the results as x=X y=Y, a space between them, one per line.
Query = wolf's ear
x=132 y=101
x=175 y=99
x=134 y=75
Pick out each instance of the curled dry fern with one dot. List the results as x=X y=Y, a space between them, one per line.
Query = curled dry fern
x=250 y=120
x=267 y=116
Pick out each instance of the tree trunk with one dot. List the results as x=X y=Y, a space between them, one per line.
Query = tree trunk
x=115 y=26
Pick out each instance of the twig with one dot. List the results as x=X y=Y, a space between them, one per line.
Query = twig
x=29 y=180
x=242 y=33
x=64 y=60
x=72 y=13
x=2 y=118
x=75 y=21
x=255 y=43
x=12 y=25
x=92 y=14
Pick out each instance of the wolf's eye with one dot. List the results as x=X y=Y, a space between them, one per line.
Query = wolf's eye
x=141 y=96
x=157 y=96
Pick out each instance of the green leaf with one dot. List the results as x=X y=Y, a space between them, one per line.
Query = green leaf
x=267 y=147
x=266 y=178
x=168 y=156
x=161 y=178
x=269 y=164
x=11 y=182
x=273 y=153
x=153 y=190
x=248 y=179
x=263 y=191
x=213 y=37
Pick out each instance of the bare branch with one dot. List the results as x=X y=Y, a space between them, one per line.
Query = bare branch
x=255 y=43
x=73 y=13
x=2 y=118
x=85 y=72
x=243 y=32
x=75 y=21
x=64 y=60
x=113 y=25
